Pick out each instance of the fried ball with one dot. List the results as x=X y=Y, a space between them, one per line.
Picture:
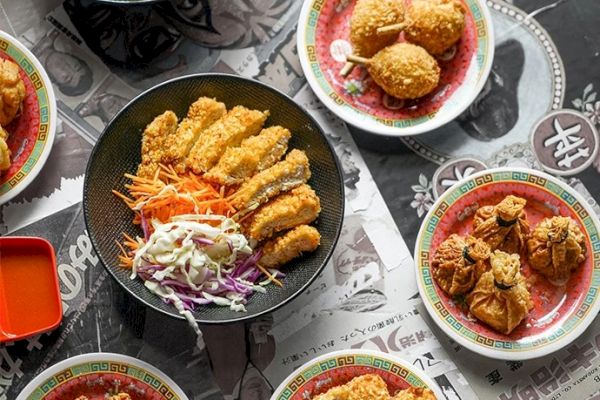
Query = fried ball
x=435 y=25
x=4 y=156
x=367 y=16
x=405 y=71
x=12 y=91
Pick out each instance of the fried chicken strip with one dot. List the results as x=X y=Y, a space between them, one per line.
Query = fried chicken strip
x=364 y=387
x=279 y=251
x=284 y=175
x=153 y=142
x=201 y=114
x=414 y=393
x=299 y=206
x=229 y=131
x=255 y=154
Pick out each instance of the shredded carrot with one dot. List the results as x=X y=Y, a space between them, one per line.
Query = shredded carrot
x=166 y=195
x=269 y=275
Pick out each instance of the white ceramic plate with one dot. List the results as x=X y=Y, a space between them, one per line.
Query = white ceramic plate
x=338 y=367
x=560 y=314
x=323 y=42
x=31 y=134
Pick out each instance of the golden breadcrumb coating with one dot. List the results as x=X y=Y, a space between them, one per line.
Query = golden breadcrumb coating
x=153 y=142
x=284 y=175
x=405 y=71
x=120 y=396
x=435 y=25
x=367 y=16
x=4 y=155
x=229 y=131
x=12 y=91
x=414 y=393
x=3 y=133
x=364 y=387
x=299 y=206
x=201 y=114
x=284 y=248
x=254 y=155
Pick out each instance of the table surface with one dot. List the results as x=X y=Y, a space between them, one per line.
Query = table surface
x=531 y=42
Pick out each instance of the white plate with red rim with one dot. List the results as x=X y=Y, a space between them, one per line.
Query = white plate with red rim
x=560 y=313
x=338 y=367
x=323 y=43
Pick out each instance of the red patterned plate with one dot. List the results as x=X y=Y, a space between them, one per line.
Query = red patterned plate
x=338 y=367
x=560 y=313
x=323 y=43
x=31 y=133
x=96 y=375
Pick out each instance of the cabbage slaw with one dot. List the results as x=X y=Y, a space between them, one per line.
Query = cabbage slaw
x=189 y=262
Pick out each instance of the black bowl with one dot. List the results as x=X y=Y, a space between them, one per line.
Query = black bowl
x=118 y=152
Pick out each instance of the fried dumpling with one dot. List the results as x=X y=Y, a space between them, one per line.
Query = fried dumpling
x=500 y=298
x=556 y=247
x=503 y=226
x=458 y=263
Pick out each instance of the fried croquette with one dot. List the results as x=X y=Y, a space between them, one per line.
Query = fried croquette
x=154 y=138
x=12 y=91
x=3 y=133
x=229 y=131
x=287 y=174
x=284 y=248
x=435 y=25
x=364 y=387
x=405 y=71
x=4 y=155
x=414 y=393
x=299 y=206
x=367 y=16
x=255 y=154
x=201 y=114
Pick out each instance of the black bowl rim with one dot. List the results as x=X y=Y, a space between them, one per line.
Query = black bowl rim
x=243 y=317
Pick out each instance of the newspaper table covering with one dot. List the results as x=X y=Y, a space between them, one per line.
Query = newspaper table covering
x=367 y=296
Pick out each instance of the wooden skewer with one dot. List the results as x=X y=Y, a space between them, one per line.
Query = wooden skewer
x=395 y=28
x=348 y=67
x=357 y=59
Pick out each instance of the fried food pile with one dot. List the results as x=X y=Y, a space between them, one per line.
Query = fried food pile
x=405 y=70
x=372 y=387
x=233 y=151
x=12 y=93
x=486 y=265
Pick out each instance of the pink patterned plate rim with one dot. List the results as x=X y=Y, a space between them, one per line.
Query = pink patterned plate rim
x=338 y=367
x=323 y=42
x=560 y=313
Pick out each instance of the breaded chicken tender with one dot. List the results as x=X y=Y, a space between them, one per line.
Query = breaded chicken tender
x=367 y=16
x=12 y=91
x=299 y=206
x=201 y=114
x=364 y=387
x=154 y=138
x=229 y=131
x=284 y=175
x=414 y=393
x=4 y=155
x=255 y=154
x=292 y=244
x=435 y=25
x=405 y=71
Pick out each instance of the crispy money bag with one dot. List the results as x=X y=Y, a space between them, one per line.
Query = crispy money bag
x=500 y=298
x=556 y=247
